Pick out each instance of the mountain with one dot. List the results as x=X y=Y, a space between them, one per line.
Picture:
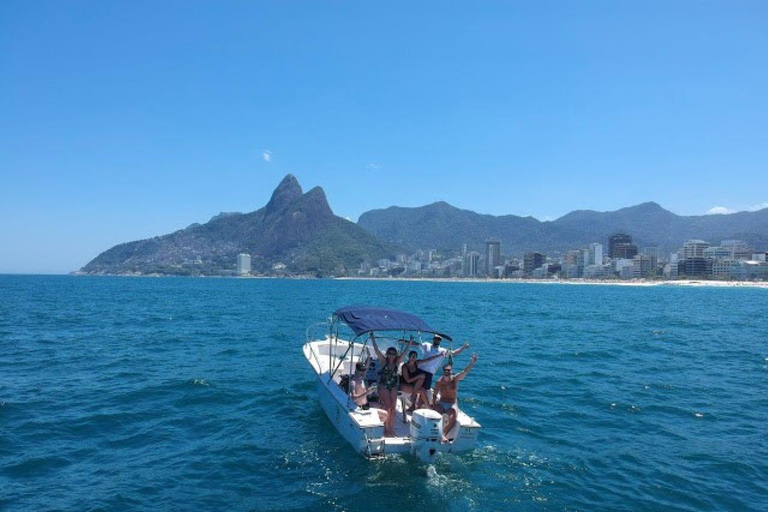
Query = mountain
x=295 y=228
x=442 y=226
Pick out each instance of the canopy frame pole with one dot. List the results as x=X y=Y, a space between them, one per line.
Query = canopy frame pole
x=341 y=360
x=330 y=345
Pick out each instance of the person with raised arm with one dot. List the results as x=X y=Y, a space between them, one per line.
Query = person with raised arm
x=412 y=380
x=388 y=382
x=447 y=388
x=430 y=364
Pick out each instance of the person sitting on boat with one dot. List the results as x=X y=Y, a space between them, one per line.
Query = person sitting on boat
x=412 y=380
x=428 y=364
x=447 y=388
x=388 y=382
x=359 y=392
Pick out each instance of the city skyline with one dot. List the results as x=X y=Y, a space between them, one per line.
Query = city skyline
x=128 y=121
x=732 y=260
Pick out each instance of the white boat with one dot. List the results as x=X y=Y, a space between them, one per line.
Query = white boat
x=333 y=355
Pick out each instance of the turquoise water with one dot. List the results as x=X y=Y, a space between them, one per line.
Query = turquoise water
x=192 y=394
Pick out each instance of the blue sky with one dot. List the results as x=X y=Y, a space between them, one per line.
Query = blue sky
x=126 y=120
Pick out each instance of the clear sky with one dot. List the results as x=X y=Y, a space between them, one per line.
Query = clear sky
x=126 y=120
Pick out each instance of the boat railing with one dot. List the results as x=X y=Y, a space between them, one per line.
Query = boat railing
x=317 y=358
x=318 y=330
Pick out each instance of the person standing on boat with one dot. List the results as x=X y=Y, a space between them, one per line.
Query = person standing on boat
x=429 y=364
x=448 y=389
x=359 y=392
x=388 y=382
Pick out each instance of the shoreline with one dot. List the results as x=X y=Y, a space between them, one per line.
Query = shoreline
x=570 y=282
x=576 y=282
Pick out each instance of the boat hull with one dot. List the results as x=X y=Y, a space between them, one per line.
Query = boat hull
x=363 y=429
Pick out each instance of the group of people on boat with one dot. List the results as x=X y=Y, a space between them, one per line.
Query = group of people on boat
x=414 y=377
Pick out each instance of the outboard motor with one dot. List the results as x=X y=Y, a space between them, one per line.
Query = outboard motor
x=426 y=433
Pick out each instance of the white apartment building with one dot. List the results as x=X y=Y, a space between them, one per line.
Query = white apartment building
x=243 y=264
x=694 y=249
x=595 y=254
x=739 y=250
x=597 y=271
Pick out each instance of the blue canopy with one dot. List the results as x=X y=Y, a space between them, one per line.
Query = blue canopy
x=363 y=319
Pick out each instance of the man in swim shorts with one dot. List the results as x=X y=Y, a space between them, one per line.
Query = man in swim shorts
x=447 y=388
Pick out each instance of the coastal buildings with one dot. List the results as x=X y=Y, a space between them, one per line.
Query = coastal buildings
x=620 y=246
x=694 y=267
x=642 y=266
x=532 y=261
x=472 y=264
x=652 y=253
x=597 y=271
x=696 y=259
x=243 y=264
x=492 y=257
x=738 y=250
x=718 y=253
x=595 y=254
x=694 y=249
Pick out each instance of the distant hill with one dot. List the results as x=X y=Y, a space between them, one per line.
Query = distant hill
x=294 y=228
x=442 y=226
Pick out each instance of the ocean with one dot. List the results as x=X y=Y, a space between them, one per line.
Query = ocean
x=192 y=394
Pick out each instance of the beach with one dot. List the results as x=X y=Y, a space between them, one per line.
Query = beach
x=577 y=282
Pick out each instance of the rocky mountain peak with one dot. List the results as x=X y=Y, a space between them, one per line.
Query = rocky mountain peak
x=287 y=192
x=316 y=202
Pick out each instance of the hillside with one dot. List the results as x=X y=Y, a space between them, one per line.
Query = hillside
x=442 y=226
x=294 y=228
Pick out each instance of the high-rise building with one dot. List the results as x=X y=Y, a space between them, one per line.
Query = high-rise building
x=739 y=250
x=492 y=256
x=471 y=262
x=532 y=261
x=243 y=264
x=573 y=258
x=614 y=240
x=642 y=265
x=653 y=254
x=595 y=254
x=694 y=249
x=694 y=267
x=627 y=251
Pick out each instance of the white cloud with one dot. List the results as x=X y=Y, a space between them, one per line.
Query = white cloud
x=760 y=206
x=267 y=155
x=719 y=210
x=374 y=167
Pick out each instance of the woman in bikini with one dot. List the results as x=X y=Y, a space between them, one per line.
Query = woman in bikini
x=388 y=382
x=412 y=380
